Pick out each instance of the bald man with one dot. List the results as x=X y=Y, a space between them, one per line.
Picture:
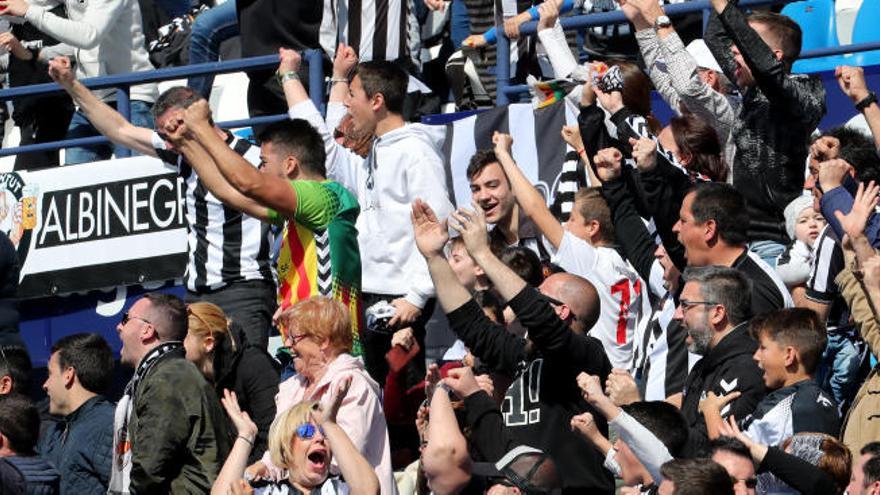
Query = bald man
x=539 y=404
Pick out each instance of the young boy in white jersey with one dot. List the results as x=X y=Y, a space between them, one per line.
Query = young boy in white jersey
x=583 y=247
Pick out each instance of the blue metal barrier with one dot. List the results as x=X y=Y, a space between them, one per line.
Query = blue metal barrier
x=314 y=59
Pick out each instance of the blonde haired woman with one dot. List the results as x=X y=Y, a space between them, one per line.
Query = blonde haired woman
x=220 y=350
x=318 y=332
x=303 y=440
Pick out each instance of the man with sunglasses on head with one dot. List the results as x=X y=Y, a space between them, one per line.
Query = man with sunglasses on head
x=169 y=431
x=228 y=250
x=714 y=312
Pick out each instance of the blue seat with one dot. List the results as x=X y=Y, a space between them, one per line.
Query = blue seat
x=818 y=24
x=866 y=30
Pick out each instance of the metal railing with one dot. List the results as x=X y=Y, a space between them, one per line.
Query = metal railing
x=504 y=90
x=122 y=83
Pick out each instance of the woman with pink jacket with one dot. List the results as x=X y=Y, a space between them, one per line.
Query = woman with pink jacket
x=318 y=332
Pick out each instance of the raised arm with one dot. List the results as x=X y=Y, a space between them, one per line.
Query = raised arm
x=852 y=83
x=269 y=191
x=527 y=196
x=445 y=459
x=236 y=461
x=108 y=121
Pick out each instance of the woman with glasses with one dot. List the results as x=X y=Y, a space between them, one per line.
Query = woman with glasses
x=303 y=440
x=318 y=333
x=221 y=351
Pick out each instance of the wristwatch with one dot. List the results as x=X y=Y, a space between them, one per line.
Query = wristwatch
x=662 y=22
x=286 y=76
x=866 y=102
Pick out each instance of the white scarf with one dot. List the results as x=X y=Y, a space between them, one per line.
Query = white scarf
x=120 y=478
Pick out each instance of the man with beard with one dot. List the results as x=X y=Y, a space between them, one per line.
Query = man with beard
x=715 y=314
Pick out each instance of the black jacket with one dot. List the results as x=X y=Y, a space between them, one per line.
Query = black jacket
x=40 y=478
x=249 y=372
x=727 y=367
x=544 y=395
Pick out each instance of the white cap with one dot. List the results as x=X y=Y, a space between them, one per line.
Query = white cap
x=702 y=55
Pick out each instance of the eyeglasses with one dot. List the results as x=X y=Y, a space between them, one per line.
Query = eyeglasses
x=307 y=430
x=749 y=482
x=296 y=339
x=128 y=317
x=686 y=305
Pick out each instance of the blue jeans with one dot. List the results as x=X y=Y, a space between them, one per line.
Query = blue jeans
x=839 y=368
x=211 y=28
x=80 y=127
x=767 y=251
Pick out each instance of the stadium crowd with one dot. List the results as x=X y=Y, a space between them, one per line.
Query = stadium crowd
x=696 y=314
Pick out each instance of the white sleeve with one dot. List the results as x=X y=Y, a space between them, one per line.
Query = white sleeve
x=648 y=449
x=85 y=34
x=340 y=160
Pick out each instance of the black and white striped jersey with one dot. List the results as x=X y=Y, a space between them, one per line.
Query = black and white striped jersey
x=828 y=261
x=376 y=29
x=224 y=245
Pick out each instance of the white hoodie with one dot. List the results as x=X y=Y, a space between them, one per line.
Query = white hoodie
x=408 y=165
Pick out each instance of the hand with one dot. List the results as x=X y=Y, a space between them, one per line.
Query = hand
x=824 y=148
x=864 y=203
x=61 y=72
x=422 y=423
x=344 y=61
x=17 y=8
x=197 y=114
x=590 y=387
x=241 y=487
x=716 y=403
x=290 y=60
x=571 y=134
x=177 y=133
x=832 y=173
x=588 y=96
x=612 y=101
x=729 y=428
x=327 y=414
x=644 y=150
x=431 y=235
x=404 y=338
x=548 y=13
x=621 y=388
x=871 y=273
x=852 y=82
x=511 y=26
x=436 y=5
x=257 y=471
x=475 y=41
x=462 y=382
x=471 y=225
x=585 y=424
x=242 y=421
x=14 y=46
x=432 y=378
x=486 y=384
x=503 y=143
x=405 y=313
x=607 y=163
x=503 y=490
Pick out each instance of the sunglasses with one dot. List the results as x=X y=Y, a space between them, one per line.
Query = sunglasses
x=307 y=430
x=128 y=317
x=749 y=482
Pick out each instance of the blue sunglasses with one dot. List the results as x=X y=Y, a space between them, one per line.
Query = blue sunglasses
x=307 y=430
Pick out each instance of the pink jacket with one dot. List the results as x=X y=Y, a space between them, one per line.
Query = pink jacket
x=360 y=415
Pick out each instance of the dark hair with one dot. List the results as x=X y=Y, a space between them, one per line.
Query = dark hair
x=725 y=205
x=386 y=78
x=593 y=207
x=19 y=422
x=730 y=445
x=697 y=477
x=17 y=365
x=859 y=151
x=297 y=138
x=786 y=33
x=871 y=471
x=871 y=448
x=525 y=263
x=797 y=327
x=695 y=137
x=835 y=461
x=91 y=357
x=636 y=92
x=490 y=301
x=168 y=315
x=725 y=286
x=480 y=160
x=663 y=420
x=176 y=97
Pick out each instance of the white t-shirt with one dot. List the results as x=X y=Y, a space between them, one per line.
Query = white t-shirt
x=622 y=293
